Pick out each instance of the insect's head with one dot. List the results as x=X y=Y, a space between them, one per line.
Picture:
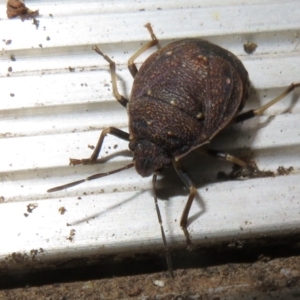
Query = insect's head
x=148 y=157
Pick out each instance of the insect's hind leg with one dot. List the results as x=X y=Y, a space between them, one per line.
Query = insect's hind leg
x=244 y=168
x=256 y=112
x=121 y=99
x=131 y=65
x=110 y=130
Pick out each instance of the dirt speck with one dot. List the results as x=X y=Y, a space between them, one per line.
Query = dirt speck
x=36 y=23
x=236 y=244
x=134 y=291
x=62 y=210
x=284 y=171
x=250 y=47
x=71 y=235
x=16 y=8
x=159 y=283
x=31 y=207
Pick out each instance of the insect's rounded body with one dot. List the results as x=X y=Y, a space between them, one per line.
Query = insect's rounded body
x=182 y=96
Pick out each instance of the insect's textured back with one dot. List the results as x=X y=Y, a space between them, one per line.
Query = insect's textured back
x=185 y=93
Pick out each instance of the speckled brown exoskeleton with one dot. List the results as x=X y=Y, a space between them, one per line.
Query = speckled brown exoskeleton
x=183 y=95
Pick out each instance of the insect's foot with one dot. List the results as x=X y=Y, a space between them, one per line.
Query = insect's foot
x=189 y=243
x=250 y=171
x=190 y=247
x=244 y=173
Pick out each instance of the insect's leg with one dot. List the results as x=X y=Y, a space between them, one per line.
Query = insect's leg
x=246 y=169
x=131 y=65
x=224 y=156
x=110 y=130
x=169 y=262
x=256 y=112
x=192 y=191
x=92 y=177
x=121 y=99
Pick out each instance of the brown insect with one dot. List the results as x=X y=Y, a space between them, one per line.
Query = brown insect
x=182 y=96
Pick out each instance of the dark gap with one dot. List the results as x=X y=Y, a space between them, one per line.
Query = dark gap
x=234 y=252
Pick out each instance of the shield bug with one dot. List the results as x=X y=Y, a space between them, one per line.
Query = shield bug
x=183 y=95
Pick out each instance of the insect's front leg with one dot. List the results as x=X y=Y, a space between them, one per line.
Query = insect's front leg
x=192 y=192
x=131 y=65
x=110 y=130
x=112 y=65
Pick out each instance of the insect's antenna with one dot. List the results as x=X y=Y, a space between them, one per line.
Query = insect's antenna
x=92 y=177
x=168 y=257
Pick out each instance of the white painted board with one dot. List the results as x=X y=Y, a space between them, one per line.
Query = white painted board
x=49 y=114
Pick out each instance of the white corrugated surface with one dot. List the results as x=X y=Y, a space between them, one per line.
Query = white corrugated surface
x=55 y=114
